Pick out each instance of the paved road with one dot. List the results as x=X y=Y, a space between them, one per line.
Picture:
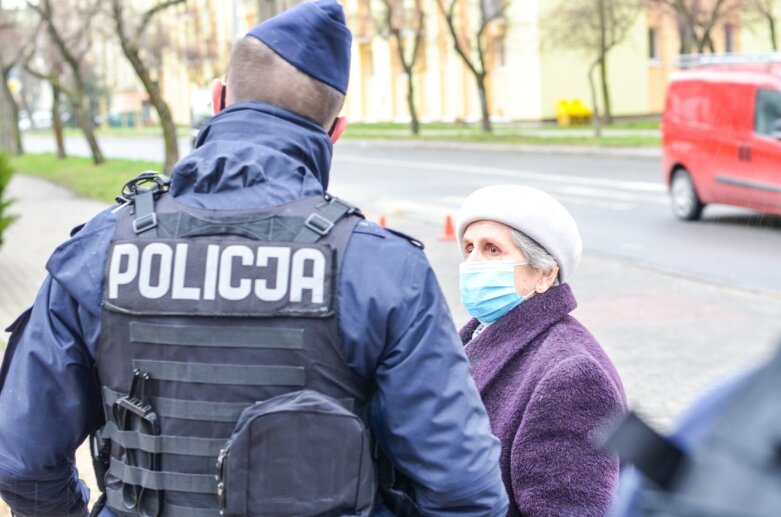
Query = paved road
x=620 y=203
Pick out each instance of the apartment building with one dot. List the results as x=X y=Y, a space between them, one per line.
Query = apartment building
x=527 y=73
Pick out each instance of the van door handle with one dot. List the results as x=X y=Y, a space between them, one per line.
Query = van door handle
x=744 y=153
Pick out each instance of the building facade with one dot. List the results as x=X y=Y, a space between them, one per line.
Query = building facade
x=527 y=74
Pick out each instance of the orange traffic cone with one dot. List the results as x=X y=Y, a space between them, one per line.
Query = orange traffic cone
x=450 y=232
x=382 y=222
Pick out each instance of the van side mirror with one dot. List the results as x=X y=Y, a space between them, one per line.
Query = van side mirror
x=775 y=129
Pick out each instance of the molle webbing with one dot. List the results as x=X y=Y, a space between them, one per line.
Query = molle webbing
x=214 y=311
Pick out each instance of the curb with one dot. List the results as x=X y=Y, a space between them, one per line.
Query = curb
x=614 y=152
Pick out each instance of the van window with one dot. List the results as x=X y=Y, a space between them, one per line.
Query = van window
x=768 y=110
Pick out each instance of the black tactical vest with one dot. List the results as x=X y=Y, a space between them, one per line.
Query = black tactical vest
x=223 y=386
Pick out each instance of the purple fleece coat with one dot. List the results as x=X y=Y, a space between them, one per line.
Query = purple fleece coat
x=548 y=386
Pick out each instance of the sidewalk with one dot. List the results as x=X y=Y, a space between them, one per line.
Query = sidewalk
x=46 y=215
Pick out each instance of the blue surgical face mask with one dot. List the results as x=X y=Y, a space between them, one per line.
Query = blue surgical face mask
x=488 y=288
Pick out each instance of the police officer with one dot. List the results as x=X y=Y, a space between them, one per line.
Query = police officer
x=243 y=329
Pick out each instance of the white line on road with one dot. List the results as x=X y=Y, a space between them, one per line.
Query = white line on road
x=640 y=186
x=438 y=209
x=601 y=193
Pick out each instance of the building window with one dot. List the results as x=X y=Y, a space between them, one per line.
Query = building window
x=653 y=44
x=729 y=38
x=500 y=52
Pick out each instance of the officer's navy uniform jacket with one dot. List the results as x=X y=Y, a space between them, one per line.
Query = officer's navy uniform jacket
x=395 y=331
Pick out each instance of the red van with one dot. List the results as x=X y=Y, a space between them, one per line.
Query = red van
x=721 y=134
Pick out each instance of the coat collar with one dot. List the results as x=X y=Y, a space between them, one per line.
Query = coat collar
x=503 y=339
x=267 y=154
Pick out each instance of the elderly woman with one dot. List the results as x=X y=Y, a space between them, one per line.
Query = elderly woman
x=547 y=384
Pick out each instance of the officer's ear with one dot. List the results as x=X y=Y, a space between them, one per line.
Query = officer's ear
x=337 y=129
x=218 y=96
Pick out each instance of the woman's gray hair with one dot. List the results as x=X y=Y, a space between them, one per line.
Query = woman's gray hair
x=537 y=257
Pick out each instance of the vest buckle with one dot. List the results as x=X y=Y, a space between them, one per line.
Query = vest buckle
x=318 y=224
x=144 y=223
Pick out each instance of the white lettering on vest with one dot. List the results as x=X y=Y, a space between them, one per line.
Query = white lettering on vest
x=145 y=286
x=179 y=291
x=210 y=275
x=161 y=269
x=117 y=277
x=226 y=289
x=282 y=256
x=299 y=282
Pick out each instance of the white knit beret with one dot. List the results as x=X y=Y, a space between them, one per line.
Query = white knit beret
x=532 y=212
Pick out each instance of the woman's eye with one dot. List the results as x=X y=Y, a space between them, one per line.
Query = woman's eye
x=493 y=249
x=468 y=249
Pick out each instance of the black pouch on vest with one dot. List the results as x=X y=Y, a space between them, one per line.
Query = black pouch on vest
x=297 y=454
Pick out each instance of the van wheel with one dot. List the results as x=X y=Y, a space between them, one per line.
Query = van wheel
x=686 y=203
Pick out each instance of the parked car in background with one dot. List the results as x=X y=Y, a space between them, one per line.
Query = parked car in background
x=40 y=119
x=721 y=134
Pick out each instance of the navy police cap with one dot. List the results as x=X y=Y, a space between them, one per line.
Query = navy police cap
x=313 y=38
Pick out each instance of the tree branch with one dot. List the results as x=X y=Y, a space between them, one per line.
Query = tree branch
x=52 y=78
x=147 y=17
x=449 y=14
x=46 y=14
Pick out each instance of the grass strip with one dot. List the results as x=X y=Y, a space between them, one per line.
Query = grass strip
x=101 y=182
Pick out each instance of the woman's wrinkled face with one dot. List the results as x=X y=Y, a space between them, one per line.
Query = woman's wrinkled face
x=490 y=240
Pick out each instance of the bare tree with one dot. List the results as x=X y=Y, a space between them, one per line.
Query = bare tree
x=6 y=135
x=766 y=11
x=472 y=50
x=593 y=28
x=53 y=74
x=129 y=39
x=14 y=46
x=696 y=20
x=405 y=24
x=73 y=48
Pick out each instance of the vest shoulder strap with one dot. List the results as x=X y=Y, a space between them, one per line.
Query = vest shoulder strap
x=322 y=220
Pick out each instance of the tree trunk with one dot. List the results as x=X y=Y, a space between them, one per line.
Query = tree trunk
x=684 y=36
x=6 y=138
x=608 y=110
x=169 y=135
x=595 y=117
x=84 y=121
x=483 y=103
x=772 y=26
x=57 y=122
x=13 y=115
x=603 y=48
x=708 y=42
x=413 y=114
x=155 y=97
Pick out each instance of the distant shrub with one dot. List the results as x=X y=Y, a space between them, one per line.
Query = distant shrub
x=5 y=177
